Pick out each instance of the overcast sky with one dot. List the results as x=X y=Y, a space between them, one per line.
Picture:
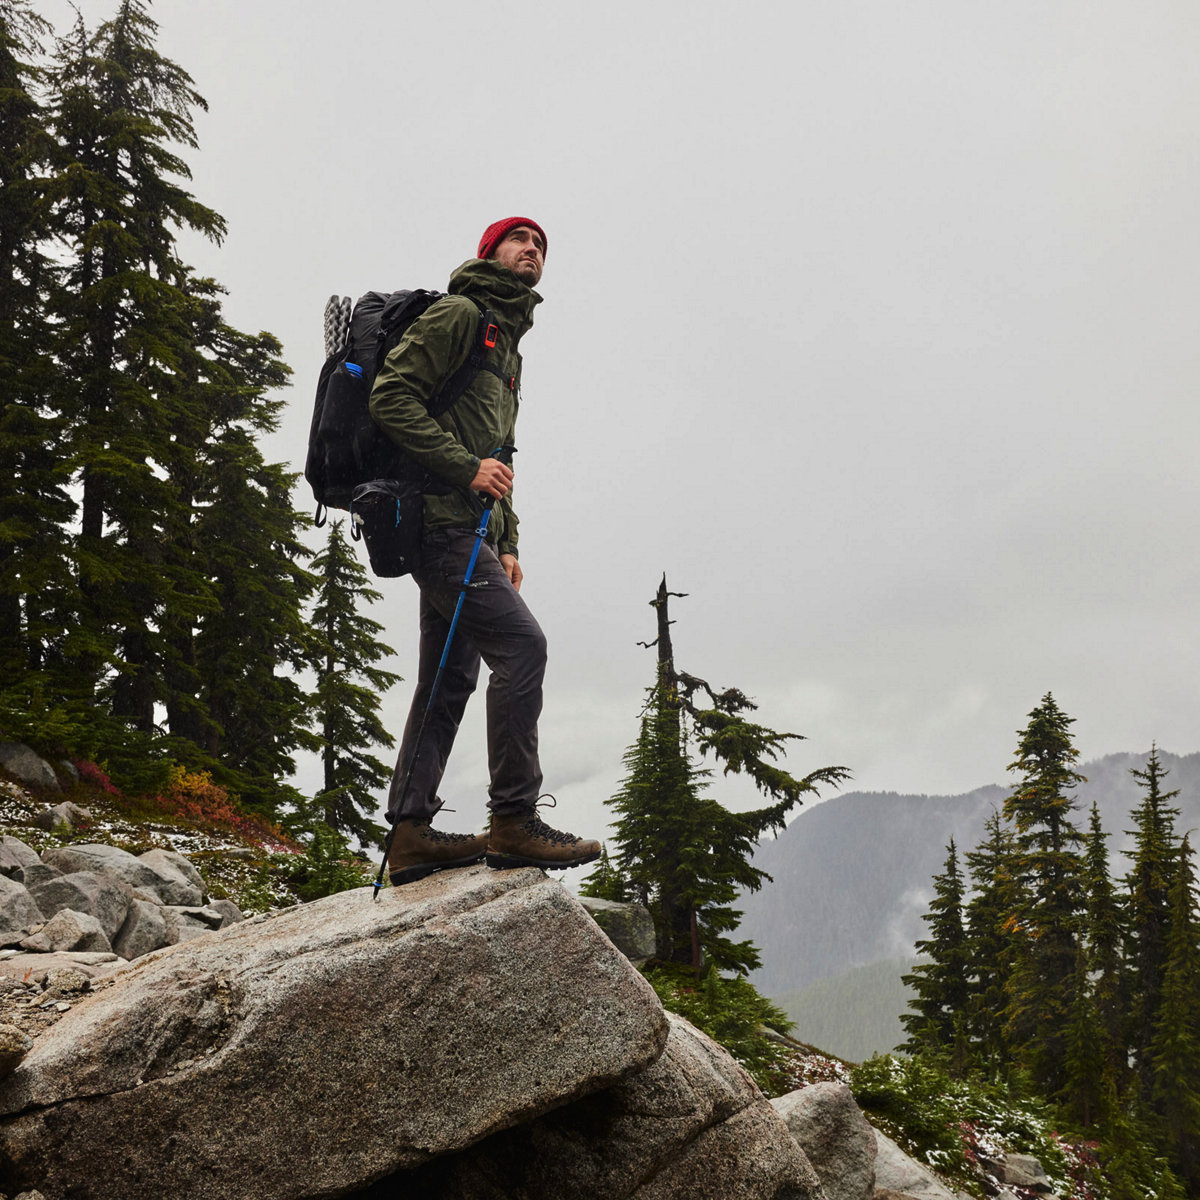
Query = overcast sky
x=873 y=324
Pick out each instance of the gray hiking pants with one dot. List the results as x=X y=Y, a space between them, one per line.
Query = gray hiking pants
x=496 y=626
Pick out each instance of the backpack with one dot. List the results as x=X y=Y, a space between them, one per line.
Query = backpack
x=345 y=446
x=352 y=464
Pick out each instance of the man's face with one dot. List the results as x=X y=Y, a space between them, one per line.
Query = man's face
x=523 y=253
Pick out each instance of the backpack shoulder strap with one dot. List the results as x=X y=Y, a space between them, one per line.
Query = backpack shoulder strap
x=486 y=332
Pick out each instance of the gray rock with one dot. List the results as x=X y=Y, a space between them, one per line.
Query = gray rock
x=34 y=968
x=34 y=1195
x=21 y=763
x=14 y=855
x=363 y=1037
x=105 y=899
x=19 y=911
x=145 y=929
x=69 y=930
x=65 y=816
x=36 y=873
x=836 y=1137
x=230 y=913
x=629 y=927
x=66 y=981
x=168 y=864
x=165 y=881
x=66 y=769
x=693 y=1124
x=896 y=1171
x=14 y=1045
x=1024 y=1171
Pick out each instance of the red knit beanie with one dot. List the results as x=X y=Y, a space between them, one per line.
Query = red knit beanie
x=494 y=234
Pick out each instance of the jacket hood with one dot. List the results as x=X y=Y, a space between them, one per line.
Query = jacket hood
x=498 y=288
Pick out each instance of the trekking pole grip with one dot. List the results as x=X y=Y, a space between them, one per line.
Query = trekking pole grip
x=502 y=454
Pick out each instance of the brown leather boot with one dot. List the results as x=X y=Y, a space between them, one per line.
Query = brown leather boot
x=419 y=850
x=522 y=839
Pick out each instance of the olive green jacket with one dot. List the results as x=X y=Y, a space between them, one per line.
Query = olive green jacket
x=484 y=416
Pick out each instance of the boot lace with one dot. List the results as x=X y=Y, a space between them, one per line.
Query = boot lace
x=443 y=836
x=539 y=829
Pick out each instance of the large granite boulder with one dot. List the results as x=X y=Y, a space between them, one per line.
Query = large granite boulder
x=355 y=1037
x=160 y=875
x=15 y=856
x=629 y=926
x=99 y=896
x=836 y=1137
x=19 y=912
x=63 y=817
x=692 y=1124
x=69 y=930
x=898 y=1172
x=21 y=763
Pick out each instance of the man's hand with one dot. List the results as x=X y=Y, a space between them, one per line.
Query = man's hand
x=493 y=478
x=512 y=569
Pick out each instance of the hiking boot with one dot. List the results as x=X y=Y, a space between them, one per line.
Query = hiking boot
x=419 y=850
x=523 y=839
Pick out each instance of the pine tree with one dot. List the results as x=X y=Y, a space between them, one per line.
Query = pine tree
x=1105 y=966
x=938 y=1019
x=680 y=851
x=36 y=591
x=1147 y=887
x=124 y=324
x=1047 y=922
x=1174 y=1052
x=1086 y=1068
x=349 y=686
x=995 y=898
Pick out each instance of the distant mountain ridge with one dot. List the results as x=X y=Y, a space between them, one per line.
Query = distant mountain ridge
x=852 y=876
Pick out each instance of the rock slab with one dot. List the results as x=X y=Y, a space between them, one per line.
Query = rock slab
x=836 y=1137
x=693 y=1124
x=360 y=1037
x=896 y=1171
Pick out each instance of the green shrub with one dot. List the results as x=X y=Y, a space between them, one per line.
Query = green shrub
x=731 y=1011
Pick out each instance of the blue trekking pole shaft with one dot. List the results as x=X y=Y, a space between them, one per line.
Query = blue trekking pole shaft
x=501 y=454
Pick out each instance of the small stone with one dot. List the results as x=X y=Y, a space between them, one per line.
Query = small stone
x=14 y=1045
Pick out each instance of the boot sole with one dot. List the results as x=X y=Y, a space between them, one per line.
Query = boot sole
x=421 y=870
x=508 y=862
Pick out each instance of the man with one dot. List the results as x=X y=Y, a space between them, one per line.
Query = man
x=459 y=447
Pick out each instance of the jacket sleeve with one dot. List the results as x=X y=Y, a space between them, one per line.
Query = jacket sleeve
x=432 y=349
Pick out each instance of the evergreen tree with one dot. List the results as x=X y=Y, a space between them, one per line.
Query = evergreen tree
x=1104 y=962
x=995 y=898
x=1047 y=921
x=1148 y=905
x=1085 y=1092
x=124 y=320
x=349 y=686
x=1174 y=1052
x=938 y=1021
x=681 y=852
x=36 y=592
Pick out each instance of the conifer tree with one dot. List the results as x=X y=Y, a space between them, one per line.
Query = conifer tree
x=1174 y=1052
x=680 y=851
x=123 y=317
x=995 y=898
x=1051 y=870
x=1147 y=886
x=1105 y=966
x=1086 y=1068
x=36 y=592
x=349 y=686
x=938 y=1020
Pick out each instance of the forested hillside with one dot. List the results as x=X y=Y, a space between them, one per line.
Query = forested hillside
x=852 y=876
x=156 y=609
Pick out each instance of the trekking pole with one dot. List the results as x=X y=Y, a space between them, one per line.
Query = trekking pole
x=501 y=454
